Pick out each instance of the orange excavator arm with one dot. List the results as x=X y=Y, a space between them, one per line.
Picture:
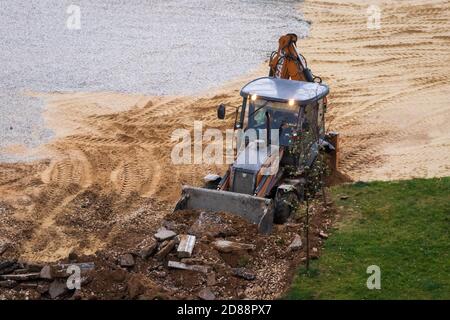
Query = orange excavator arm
x=285 y=63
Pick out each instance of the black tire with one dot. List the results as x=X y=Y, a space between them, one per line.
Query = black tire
x=212 y=184
x=284 y=205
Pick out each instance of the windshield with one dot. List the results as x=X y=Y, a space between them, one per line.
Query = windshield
x=281 y=114
x=282 y=117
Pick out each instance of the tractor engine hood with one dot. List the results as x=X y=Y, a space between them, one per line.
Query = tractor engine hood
x=252 y=157
x=245 y=169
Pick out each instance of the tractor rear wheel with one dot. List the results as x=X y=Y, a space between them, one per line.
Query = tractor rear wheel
x=284 y=206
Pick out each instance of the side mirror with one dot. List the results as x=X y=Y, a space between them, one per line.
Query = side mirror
x=221 y=111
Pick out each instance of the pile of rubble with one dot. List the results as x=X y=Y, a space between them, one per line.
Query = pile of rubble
x=196 y=253
x=40 y=281
x=193 y=255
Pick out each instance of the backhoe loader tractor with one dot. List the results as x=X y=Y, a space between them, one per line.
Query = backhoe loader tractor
x=295 y=109
x=260 y=185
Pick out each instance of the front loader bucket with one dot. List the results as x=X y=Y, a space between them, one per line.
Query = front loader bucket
x=254 y=209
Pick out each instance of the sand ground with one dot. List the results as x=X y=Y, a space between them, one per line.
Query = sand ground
x=389 y=101
x=390 y=86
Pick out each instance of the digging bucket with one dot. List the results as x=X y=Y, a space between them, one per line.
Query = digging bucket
x=253 y=209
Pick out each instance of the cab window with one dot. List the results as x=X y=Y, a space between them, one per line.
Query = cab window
x=310 y=119
x=321 y=117
x=280 y=112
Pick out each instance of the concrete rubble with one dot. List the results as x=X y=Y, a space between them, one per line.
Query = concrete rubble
x=186 y=246
x=148 y=248
x=183 y=266
x=57 y=288
x=20 y=277
x=46 y=273
x=226 y=246
x=174 y=263
x=164 y=234
x=296 y=244
x=126 y=260
x=244 y=273
x=206 y=294
x=165 y=250
x=45 y=280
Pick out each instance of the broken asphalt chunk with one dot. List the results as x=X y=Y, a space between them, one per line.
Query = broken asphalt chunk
x=3 y=247
x=57 y=288
x=43 y=288
x=84 y=266
x=164 y=234
x=206 y=294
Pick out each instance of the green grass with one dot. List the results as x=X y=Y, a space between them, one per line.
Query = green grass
x=402 y=227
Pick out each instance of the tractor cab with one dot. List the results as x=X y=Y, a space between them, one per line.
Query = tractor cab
x=283 y=107
x=274 y=113
x=258 y=185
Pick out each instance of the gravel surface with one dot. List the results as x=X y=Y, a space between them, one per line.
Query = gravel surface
x=153 y=47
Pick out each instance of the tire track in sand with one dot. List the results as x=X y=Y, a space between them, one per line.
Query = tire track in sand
x=389 y=87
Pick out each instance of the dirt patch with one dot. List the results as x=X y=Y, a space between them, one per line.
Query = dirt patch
x=262 y=272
